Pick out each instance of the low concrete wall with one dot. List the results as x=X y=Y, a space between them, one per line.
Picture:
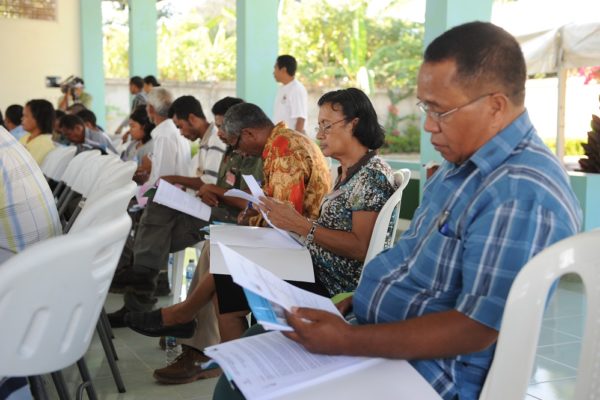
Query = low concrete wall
x=117 y=100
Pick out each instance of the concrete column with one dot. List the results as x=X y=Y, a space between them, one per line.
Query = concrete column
x=92 y=63
x=257 y=48
x=142 y=38
x=441 y=15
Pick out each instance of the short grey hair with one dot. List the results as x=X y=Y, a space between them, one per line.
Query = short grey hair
x=160 y=99
x=244 y=115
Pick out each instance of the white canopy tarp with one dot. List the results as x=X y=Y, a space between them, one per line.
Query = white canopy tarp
x=572 y=45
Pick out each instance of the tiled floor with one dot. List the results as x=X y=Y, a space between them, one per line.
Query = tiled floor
x=552 y=379
x=139 y=356
x=560 y=341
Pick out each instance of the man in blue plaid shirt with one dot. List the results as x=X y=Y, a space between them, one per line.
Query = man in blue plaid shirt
x=437 y=297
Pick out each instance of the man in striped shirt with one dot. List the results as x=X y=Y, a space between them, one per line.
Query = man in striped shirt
x=437 y=297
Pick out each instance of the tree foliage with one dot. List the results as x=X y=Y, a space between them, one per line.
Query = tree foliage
x=337 y=44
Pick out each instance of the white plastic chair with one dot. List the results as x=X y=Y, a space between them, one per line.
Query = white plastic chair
x=105 y=208
x=71 y=172
x=380 y=230
x=55 y=162
x=51 y=297
x=516 y=348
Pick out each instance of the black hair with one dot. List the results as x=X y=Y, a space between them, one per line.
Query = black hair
x=354 y=103
x=485 y=54
x=43 y=114
x=75 y=108
x=136 y=81
x=140 y=115
x=87 y=116
x=221 y=106
x=14 y=113
x=70 y=121
x=183 y=106
x=151 y=80
x=244 y=115
x=1 y=119
x=288 y=62
x=59 y=114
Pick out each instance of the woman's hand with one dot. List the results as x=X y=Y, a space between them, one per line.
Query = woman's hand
x=284 y=216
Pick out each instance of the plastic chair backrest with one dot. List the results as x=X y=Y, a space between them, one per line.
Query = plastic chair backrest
x=114 y=177
x=511 y=368
x=380 y=230
x=56 y=161
x=61 y=163
x=90 y=172
x=76 y=165
x=105 y=208
x=51 y=296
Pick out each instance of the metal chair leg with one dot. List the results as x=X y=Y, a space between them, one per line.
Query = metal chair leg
x=107 y=324
x=83 y=386
x=114 y=369
x=105 y=327
x=38 y=388
x=87 y=379
x=60 y=385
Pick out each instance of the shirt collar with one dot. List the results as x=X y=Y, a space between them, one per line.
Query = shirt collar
x=501 y=146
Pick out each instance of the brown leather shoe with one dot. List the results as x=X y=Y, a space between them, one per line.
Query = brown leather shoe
x=186 y=368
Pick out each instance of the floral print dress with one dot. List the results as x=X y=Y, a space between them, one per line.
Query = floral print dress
x=369 y=186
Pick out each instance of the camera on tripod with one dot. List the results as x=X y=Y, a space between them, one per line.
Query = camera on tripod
x=67 y=86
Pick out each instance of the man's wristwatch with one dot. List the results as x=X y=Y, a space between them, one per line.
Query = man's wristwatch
x=311 y=234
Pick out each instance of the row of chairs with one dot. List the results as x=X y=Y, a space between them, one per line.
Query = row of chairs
x=63 y=282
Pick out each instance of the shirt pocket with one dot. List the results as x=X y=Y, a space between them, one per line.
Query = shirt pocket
x=438 y=267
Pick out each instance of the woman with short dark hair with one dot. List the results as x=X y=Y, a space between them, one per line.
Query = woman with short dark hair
x=38 y=121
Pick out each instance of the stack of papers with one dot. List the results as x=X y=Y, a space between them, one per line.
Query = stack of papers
x=270 y=366
x=264 y=246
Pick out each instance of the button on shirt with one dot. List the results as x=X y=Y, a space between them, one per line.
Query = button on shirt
x=478 y=225
x=171 y=154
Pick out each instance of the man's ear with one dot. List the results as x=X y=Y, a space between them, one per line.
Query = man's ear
x=499 y=108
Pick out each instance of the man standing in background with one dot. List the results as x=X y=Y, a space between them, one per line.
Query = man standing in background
x=291 y=102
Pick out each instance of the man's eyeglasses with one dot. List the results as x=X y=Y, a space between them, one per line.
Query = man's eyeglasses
x=327 y=128
x=438 y=116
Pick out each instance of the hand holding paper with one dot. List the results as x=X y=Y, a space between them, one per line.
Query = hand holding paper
x=270 y=294
x=171 y=196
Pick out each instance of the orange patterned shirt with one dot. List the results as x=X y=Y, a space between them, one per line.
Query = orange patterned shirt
x=294 y=170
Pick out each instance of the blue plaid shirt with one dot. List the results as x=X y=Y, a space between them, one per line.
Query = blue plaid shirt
x=477 y=226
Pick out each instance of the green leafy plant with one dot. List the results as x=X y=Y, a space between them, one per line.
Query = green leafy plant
x=592 y=148
x=407 y=141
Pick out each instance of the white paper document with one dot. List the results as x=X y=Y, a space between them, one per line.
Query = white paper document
x=242 y=195
x=250 y=236
x=171 y=196
x=289 y=264
x=255 y=199
x=264 y=283
x=270 y=366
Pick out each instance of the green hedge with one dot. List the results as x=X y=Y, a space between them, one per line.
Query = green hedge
x=407 y=142
x=572 y=146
